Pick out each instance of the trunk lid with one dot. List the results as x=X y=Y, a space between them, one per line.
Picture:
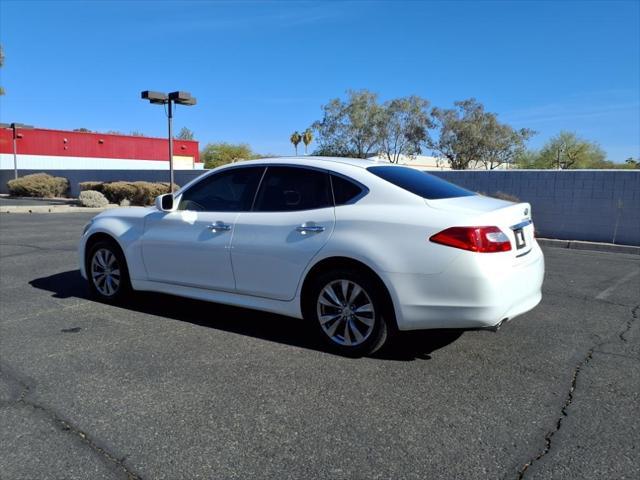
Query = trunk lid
x=514 y=219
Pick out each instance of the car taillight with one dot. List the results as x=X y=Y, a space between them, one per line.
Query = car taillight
x=475 y=239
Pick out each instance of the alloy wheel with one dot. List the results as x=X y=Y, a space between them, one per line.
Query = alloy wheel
x=105 y=272
x=345 y=312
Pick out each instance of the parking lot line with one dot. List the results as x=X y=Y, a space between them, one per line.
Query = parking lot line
x=609 y=290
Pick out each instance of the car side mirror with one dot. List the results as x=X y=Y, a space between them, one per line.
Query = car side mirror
x=164 y=203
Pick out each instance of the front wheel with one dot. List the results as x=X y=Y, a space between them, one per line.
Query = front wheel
x=348 y=308
x=107 y=272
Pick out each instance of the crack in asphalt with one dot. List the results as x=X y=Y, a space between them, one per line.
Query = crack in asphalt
x=572 y=387
x=35 y=247
x=634 y=317
x=67 y=426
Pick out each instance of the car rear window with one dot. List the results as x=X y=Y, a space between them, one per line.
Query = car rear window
x=420 y=183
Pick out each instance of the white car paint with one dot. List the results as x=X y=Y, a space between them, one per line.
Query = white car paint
x=262 y=261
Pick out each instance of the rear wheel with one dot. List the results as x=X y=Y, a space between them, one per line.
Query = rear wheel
x=107 y=272
x=348 y=308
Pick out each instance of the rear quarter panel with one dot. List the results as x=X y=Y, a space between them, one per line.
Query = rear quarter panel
x=391 y=238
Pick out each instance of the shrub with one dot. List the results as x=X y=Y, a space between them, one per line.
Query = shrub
x=136 y=193
x=93 y=199
x=118 y=191
x=38 y=185
x=91 y=185
x=147 y=192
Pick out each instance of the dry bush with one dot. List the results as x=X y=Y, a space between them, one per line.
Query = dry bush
x=93 y=199
x=91 y=185
x=147 y=192
x=38 y=185
x=118 y=191
x=136 y=193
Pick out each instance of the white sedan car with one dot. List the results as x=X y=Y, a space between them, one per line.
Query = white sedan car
x=357 y=247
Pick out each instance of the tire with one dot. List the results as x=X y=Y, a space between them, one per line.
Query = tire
x=107 y=272
x=354 y=324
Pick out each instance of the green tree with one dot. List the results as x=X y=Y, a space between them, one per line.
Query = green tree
x=350 y=128
x=295 y=139
x=307 y=138
x=136 y=133
x=216 y=154
x=82 y=129
x=468 y=135
x=632 y=163
x=566 y=151
x=403 y=127
x=185 y=134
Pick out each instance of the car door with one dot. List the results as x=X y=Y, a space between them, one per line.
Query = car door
x=191 y=245
x=291 y=220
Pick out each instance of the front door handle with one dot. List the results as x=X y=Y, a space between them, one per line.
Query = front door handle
x=304 y=229
x=219 y=227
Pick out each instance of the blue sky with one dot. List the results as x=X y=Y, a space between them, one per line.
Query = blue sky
x=263 y=69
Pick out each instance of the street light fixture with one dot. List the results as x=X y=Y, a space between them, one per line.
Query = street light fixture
x=160 y=98
x=15 y=127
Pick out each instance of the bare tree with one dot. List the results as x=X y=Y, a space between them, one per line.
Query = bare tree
x=186 y=134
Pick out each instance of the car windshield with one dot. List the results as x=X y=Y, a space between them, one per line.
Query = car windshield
x=420 y=183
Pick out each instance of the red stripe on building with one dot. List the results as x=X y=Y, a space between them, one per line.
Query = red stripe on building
x=40 y=141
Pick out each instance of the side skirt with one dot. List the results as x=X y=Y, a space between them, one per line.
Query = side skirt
x=289 y=308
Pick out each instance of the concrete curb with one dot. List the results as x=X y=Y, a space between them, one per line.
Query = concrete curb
x=53 y=209
x=593 y=246
x=66 y=200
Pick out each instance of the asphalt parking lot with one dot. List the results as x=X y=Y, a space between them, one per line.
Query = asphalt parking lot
x=167 y=388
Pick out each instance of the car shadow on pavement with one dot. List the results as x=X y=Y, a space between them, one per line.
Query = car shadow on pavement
x=406 y=346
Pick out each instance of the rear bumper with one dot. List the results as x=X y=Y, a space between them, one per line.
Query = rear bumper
x=476 y=291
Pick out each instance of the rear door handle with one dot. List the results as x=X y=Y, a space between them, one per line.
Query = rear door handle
x=219 y=227
x=310 y=228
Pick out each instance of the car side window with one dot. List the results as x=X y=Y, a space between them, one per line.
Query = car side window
x=232 y=190
x=344 y=191
x=287 y=189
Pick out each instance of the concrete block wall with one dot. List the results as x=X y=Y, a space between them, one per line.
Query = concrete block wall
x=592 y=205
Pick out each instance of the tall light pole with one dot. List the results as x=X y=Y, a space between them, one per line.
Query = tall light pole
x=16 y=135
x=179 y=98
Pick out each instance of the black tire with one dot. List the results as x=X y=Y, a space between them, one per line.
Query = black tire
x=99 y=289
x=374 y=336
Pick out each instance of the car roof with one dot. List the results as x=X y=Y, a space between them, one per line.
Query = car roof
x=313 y=161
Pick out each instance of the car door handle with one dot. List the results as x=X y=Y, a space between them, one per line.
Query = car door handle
x=219 y=227
x=310 y=228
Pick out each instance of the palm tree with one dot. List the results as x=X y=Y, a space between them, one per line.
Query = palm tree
x=307 y=138
x=295 y=139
